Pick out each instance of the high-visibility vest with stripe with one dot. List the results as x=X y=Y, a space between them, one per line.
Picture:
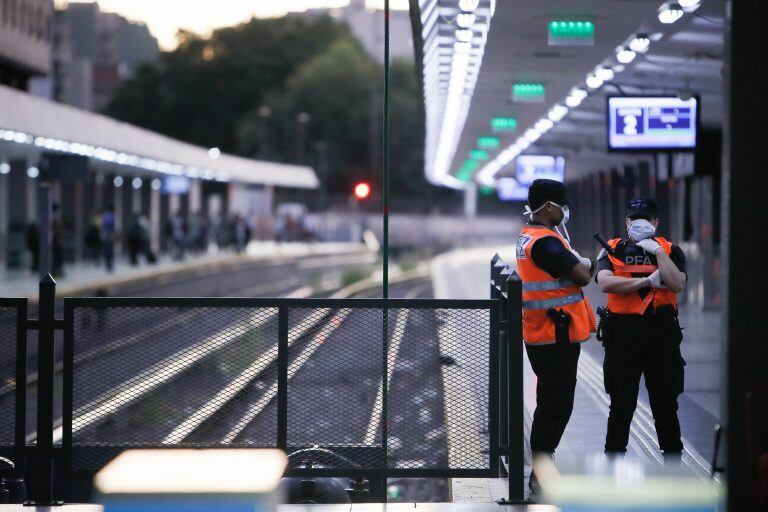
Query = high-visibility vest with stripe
x=541 y=292
x=633 y=303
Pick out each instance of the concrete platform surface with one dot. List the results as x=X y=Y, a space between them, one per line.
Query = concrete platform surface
x=418 y=507
x=86 y=277
x=63 y=508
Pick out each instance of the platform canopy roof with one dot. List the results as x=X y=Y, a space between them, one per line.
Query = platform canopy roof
x=470 y=101
x=43 y=125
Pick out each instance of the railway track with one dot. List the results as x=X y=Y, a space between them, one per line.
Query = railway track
x=226 y=414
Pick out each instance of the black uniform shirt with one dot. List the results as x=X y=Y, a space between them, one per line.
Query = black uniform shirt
x=552 y=256
x=633 y=254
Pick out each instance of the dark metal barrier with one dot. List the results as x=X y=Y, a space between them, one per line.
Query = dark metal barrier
x=506 y=291
x=314 y=377
x=370 y=388
x=13 y=336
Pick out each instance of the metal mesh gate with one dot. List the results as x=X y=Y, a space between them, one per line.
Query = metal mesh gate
x=316 y=377
x=13 y=316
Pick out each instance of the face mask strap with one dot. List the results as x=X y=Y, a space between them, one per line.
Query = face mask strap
x=530 y=212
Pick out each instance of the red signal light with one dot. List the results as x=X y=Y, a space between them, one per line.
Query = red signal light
x=362 y=191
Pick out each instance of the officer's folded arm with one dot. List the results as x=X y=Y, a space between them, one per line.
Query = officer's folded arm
x=610 y=283
x=670 y=274
x=581 y=273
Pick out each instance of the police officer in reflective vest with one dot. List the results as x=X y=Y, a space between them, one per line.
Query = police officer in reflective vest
x=640 y=332
x=556 y=315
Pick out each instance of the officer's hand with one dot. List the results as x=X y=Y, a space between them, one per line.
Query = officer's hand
x=655 y=280
x=649 y=245
x=584 y=261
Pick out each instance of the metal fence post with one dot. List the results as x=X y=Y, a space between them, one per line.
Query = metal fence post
x=42 y=494
x=516 y=429
x=282 y=378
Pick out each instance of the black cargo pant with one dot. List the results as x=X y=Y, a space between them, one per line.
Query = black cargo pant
x=646 y=346
x=555 y=368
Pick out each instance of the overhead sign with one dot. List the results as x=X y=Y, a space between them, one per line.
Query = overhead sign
x=527 y=169
x=652 y=123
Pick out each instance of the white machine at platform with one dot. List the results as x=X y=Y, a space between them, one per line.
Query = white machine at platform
x=225 y=480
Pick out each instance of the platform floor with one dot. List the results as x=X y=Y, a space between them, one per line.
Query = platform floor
x=86 y=277
x=418 y=507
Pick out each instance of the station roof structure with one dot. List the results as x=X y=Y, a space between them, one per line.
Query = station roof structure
x=29 y=122
x=526 y=60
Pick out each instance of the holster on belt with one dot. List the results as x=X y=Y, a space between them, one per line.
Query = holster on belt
x=562 y=321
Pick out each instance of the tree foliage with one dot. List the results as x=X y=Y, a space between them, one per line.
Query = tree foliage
x=246 y=89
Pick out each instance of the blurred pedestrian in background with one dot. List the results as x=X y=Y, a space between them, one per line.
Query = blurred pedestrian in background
x=93 y=244
x=57 y=242
x=108 y=238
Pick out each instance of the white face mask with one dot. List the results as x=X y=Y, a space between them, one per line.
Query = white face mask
x=563 y=222
x=640 y=229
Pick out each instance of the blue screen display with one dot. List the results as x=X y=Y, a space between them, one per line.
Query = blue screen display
x=527 y=169
x=652 y=123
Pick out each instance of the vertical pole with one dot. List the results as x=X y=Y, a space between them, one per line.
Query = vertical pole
x=516 y=428
x=46 y=236
x=43 y=488
x=282 y=378
x=385 y=153
x=385 y=258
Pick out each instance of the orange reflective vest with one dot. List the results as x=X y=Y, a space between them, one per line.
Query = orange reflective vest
x=634 y=303
x=542 y=292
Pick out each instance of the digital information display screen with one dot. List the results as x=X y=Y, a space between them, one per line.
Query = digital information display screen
x=660 y=123
x=527 y=169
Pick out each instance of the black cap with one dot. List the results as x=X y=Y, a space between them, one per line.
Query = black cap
x=543 y=190
x=642 y=206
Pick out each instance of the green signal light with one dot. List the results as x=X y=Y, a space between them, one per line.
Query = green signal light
x=528 y=92
x=504 y=124
x=479 y=154
x=464 y=174
x=571 y=32
x=486 y=191
x=470 y=164
x=528 y=89
x=488 y=142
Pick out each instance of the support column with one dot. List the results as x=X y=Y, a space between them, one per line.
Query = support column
x=154 y=220
x=136 y=199
x=118 y=202
x=743 y=193
x=4 y=216
x=470 y=200
x=79 y=220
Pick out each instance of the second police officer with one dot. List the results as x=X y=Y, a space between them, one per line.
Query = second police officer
x=556 y=315
x=641 y=275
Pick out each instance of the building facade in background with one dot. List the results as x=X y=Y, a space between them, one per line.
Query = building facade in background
x=94 y=51
x=25 y=41
x=367 y=25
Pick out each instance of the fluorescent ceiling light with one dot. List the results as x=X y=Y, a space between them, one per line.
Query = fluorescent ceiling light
x=670 y=13
x=468 y=5
x=594 y=82
x=604 y=73
x=689 y=5
x=625 y=55
x=557 y=113
x=640 y=43
x=465 y=20
x=464 y=35
x=544 y=125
